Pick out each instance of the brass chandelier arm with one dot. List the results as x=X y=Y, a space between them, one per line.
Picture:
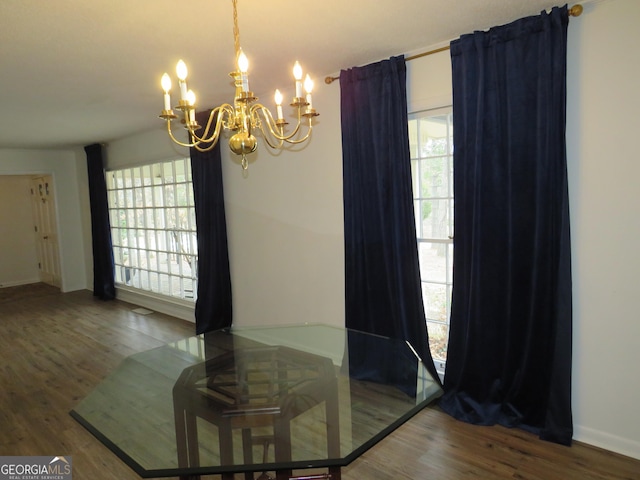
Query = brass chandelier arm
x=273 y=133
x=271 y=123
x=271 y=137
x=182 y=144
x=301 y=139
x=219 y=113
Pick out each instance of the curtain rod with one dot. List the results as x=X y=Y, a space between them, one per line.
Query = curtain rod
x=574 y=11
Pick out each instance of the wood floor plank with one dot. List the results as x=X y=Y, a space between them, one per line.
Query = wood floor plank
x=55 y=348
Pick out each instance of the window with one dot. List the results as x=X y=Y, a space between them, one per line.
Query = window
x=431 y=145
x=153 y=228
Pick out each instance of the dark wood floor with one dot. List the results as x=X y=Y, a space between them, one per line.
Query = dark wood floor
x=55 y=348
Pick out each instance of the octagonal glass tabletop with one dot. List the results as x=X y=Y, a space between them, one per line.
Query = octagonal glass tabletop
x=256 y=399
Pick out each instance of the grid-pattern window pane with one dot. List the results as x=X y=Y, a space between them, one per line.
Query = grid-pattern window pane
x=153 y=228
x=431 y=147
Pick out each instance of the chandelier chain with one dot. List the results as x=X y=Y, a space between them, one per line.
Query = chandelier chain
x=236 y=30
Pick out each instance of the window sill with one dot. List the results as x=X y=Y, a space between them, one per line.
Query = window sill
x=174 y=307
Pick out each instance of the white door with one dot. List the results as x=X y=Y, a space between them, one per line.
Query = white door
x=44 y=215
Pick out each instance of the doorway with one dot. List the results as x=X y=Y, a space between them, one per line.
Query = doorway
x=44 y=217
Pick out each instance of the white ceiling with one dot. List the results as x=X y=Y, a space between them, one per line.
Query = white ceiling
x=78 y=72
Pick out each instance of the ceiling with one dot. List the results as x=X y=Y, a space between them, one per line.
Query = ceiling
x=79 y=72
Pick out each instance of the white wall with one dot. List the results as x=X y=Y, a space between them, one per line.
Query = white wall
x=63 y=166
x=429 y=81
x=602 y=136
x=285 y=227
x=144 y=148
x=18 y=255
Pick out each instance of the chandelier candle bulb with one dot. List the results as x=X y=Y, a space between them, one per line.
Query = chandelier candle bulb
x=243 y=66
x=278 y=99
x=166 y=86
x=308 y=86
x=297 y=74
x=181 y=71
x=191 y=98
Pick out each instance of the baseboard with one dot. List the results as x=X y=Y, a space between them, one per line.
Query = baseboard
x=184 y=312
x=17 y=283
x=613 y=443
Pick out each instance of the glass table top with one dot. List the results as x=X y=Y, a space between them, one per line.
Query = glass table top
x=256 y=399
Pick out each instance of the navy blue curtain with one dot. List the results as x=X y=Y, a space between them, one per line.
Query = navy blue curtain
x=509 y=354
x=382 y=278
x=103 y=265
x=213 y=305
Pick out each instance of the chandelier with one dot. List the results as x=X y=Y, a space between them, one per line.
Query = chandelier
x=245 y=116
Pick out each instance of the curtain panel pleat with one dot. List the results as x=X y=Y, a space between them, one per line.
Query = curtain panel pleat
x=213 y=305
x=509 y=353
x=103 y=262
x=382 y=278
